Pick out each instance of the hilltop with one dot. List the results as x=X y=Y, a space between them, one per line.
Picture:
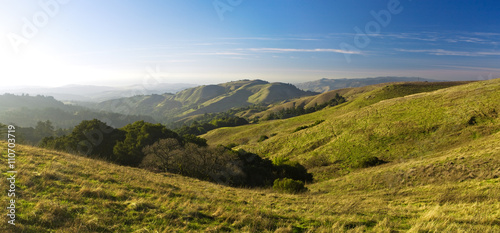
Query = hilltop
x=351 y=94
x=204 y=99
x=324 y=85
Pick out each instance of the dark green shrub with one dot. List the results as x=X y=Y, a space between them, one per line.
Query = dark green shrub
x=317 y=123
x=369 y=161
x=293 y=170
x=92 y=138
x=287 y=185
x=307 y=126
x=137 y=136
x=301 y=128
x=191 y=138
x=263 y=138
x=232 y=145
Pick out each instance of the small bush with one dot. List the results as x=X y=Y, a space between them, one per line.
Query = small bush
x=231 y=145
x=301 y=128
x=317 y=122
x=263 y=138
x=293 y=170
x=307 y=126
x=369 y=161
x=287 y=185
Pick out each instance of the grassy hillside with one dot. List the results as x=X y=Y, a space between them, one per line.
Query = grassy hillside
x=452 y=191
x=377 y=93
x=205 y=99
x=441 y=147
x=324 y=85
x=377 y=123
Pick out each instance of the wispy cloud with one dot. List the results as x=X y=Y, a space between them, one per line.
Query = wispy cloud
x=442 y=52
x=448 y=37
x=222 y=53
x=271 y=38
x=488 y=69
x=287 y=50
x=168 y=61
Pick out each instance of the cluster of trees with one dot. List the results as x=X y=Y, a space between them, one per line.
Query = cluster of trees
x=124 y=146
x=197 y=128
x=156 y=148
x=300 y=110
x=219 y=164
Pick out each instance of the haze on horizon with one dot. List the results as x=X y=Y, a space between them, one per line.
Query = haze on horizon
x=118 y=43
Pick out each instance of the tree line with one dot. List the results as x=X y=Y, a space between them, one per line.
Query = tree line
x=156 y=148
x=197 y=128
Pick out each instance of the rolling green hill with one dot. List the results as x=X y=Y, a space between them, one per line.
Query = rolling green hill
x=376 y=122
x=404 y=88
x=204 y=99
x=324 y=85
x=439 y=143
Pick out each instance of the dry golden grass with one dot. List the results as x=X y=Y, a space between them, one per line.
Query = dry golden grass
x=66 y=193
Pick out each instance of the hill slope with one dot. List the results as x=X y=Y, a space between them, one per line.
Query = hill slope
x=403 y=88
x=324 y=85
x=204 y=99
x=456 y=190
x=26 y=111
x=376 y=123
x=442 y=151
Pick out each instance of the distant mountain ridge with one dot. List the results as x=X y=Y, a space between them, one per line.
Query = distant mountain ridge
x=205 y=99
x=324 y=85
x=94 y=93
x=26 y=111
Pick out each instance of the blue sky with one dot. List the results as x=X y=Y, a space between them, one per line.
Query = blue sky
x=118 y=42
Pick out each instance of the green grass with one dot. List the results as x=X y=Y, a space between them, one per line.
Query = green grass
x=378 y=123
x=442 y=175
x=453 y=190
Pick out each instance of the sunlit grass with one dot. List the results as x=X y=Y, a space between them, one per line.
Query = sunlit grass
x=442 y=175
x=77 y=194
x=392 y=129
